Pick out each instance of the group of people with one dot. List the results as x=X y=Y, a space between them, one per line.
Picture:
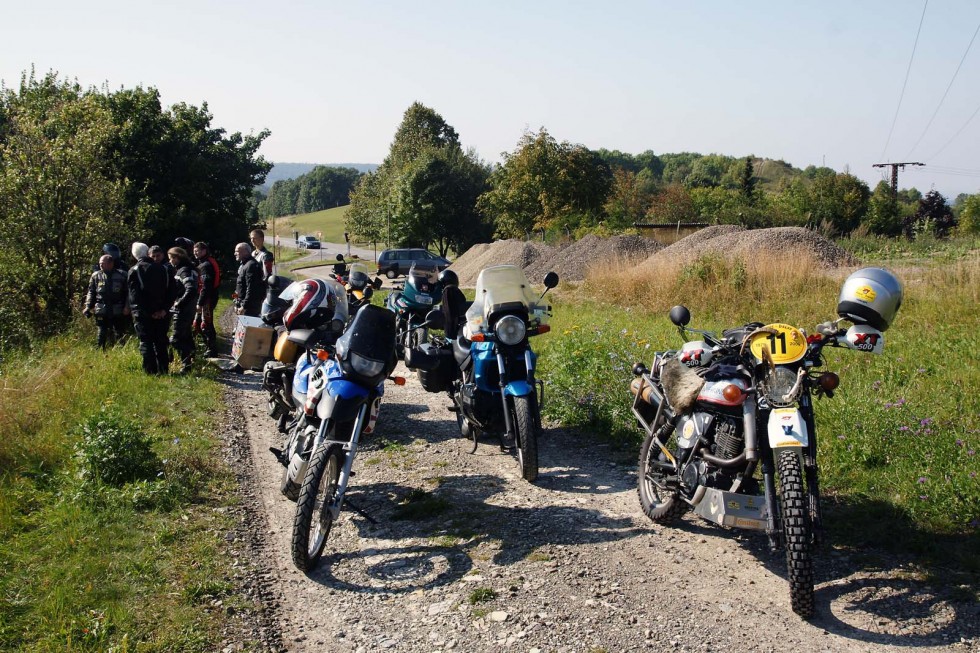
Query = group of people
x=178 y=287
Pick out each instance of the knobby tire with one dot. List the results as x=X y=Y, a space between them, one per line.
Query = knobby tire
x=314 y=500
x=661 y=506
x=796 y=532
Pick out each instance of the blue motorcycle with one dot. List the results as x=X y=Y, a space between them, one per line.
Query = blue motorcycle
x=486 y=363
x=343 y=386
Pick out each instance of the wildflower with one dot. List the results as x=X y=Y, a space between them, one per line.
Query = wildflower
x=623 y=332
x=903 y=428
x=876 y=385
x=924 y=497
x=646 y=346
x=959 y=443
x=973 y=474
x=925 y=422
x=971 y=452
x=176 y=440
x=921 y=370
x=841 y=437
x=922 y=479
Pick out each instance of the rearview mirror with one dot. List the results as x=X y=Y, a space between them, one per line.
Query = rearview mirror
x=680 y=316
x=377 y=283
x=551 y=280
x=435 y=319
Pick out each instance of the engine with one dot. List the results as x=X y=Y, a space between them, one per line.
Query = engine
x=729 y=441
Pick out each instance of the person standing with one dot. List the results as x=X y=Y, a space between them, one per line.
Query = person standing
x=107 y=301
x=147 y=283
x=183 y=307
x=208 y=280
x=264 y=257
x=250 y=287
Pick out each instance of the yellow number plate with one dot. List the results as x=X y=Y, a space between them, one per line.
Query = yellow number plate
x=787 y=345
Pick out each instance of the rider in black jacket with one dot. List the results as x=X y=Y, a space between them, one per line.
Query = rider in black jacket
x=148 y=289
x=184 y=307
x=209 y=278
x=107 y=300
x=250 y=287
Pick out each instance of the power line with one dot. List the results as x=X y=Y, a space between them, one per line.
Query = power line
x=895 y=167
x=958 y=132
x=943 y=98
x=905 y=83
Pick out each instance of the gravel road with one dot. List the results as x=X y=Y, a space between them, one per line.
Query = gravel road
x=567 y=564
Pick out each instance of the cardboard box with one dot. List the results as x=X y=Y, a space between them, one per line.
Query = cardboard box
x=253 y=342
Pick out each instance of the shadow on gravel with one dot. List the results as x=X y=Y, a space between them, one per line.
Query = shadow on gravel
x=868 y=594
x=392 y=570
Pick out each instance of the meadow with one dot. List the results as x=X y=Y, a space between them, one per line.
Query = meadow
x=329 y=222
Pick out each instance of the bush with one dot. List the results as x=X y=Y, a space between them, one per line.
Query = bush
x=115 y=451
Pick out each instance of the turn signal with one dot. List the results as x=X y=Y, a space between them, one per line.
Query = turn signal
x=399 y=380
x=732 y=393
x=543 y=328
x=479 y=336
x=828 y=381
x=322 y=354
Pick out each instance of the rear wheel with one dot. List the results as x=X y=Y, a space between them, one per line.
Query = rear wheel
x=527 y=437
x=660 y=503
x=796 y=532
x=313 y=518
x=390 y=274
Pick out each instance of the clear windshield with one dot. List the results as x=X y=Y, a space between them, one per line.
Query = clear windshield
x=424 y=270
x=359 y=278
x=499 y=286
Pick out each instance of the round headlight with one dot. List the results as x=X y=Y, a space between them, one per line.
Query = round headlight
x=510 y=330
x=779 y=384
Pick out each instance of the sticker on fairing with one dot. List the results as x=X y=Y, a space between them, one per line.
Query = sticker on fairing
x=786 y=345
x=864 y=338
x=787 y=428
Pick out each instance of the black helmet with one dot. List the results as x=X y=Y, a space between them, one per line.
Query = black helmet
x=448 y=278
x=112 y=250
x=185 y=244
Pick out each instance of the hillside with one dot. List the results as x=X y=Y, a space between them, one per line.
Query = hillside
x=282 y=171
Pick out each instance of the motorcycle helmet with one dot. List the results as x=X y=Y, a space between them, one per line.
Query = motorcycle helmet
x=448 y=278
x=313 y=303
x=112 y=250
x=870 y=296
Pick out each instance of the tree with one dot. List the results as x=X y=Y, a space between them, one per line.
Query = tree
x=673 y=204
x=58 y=200
x=969 y=218
x=628 y=200
x=544 y=184
x=883 y=217
x=933 y=215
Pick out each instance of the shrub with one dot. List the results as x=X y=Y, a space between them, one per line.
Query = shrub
x=115 y=451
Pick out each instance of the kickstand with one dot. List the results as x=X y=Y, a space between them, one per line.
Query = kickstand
x=353 y=506
x=475 y=443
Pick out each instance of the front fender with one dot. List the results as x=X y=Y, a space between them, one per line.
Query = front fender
x=518 y=389
x=340 y=400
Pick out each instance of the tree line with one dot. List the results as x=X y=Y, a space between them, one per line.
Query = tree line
x=324 y=187
x=429 y=191
x=82 y=167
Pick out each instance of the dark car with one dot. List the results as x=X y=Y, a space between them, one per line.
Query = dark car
x=396 y=262
x=308 y=242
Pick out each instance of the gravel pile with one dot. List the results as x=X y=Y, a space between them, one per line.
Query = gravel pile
x=503 y=252
x=731 y=240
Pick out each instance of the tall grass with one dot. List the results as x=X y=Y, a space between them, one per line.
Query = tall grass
x=897 y=443
x=90 y=566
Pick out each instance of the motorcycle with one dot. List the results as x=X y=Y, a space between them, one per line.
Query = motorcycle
x=306 y=314
x=488 y=371
x=411 y=302
x=360 y=288
x=342 y=384
x=721 y=405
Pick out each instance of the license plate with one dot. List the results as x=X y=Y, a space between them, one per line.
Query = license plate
x=423 y=299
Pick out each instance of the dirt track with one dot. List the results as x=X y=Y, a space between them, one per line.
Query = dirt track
x=573 y=563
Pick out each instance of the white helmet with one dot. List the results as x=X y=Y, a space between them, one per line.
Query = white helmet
x=870 y=296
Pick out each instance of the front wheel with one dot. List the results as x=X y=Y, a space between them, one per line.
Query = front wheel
x=527 y=437
x=313 y=518
x=661 y=504
x=796 y=532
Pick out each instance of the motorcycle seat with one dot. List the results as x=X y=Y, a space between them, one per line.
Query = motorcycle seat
x=461 y=351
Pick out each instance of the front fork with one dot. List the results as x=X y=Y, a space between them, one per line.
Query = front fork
x=502 y=384
x=350 y=448
x=810 y=469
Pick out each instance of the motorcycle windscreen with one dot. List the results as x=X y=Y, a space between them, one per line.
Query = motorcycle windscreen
x=371 y=335
x=358 y=276
x=497 y=287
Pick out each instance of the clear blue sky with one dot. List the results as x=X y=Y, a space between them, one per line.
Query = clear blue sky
x=808 y=84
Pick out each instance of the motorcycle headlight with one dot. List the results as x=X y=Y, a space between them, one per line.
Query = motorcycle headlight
x=365 y=366
x=780 y=386
x=510 y=330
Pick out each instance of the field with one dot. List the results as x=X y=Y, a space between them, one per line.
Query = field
x=329 y=222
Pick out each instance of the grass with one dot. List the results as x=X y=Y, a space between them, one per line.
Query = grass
x=897 y=443
x=329 y=223
x=92 y=565
x=420 y=505
x=481 y=595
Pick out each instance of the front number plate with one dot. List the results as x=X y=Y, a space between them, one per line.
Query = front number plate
x=787 y=428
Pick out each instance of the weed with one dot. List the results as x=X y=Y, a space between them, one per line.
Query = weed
x=481 y=595
x=419 y=505
x=537 y=555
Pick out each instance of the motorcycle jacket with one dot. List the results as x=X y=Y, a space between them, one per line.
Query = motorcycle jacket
x=250 y=287
x=187 y=293
x=107 y=294
x=148 y=288
x=209 y=278
x=266 y=260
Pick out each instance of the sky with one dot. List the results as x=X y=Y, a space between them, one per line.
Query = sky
x=812 y=84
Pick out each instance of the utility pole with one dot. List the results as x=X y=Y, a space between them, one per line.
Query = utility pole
x=895 y=167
